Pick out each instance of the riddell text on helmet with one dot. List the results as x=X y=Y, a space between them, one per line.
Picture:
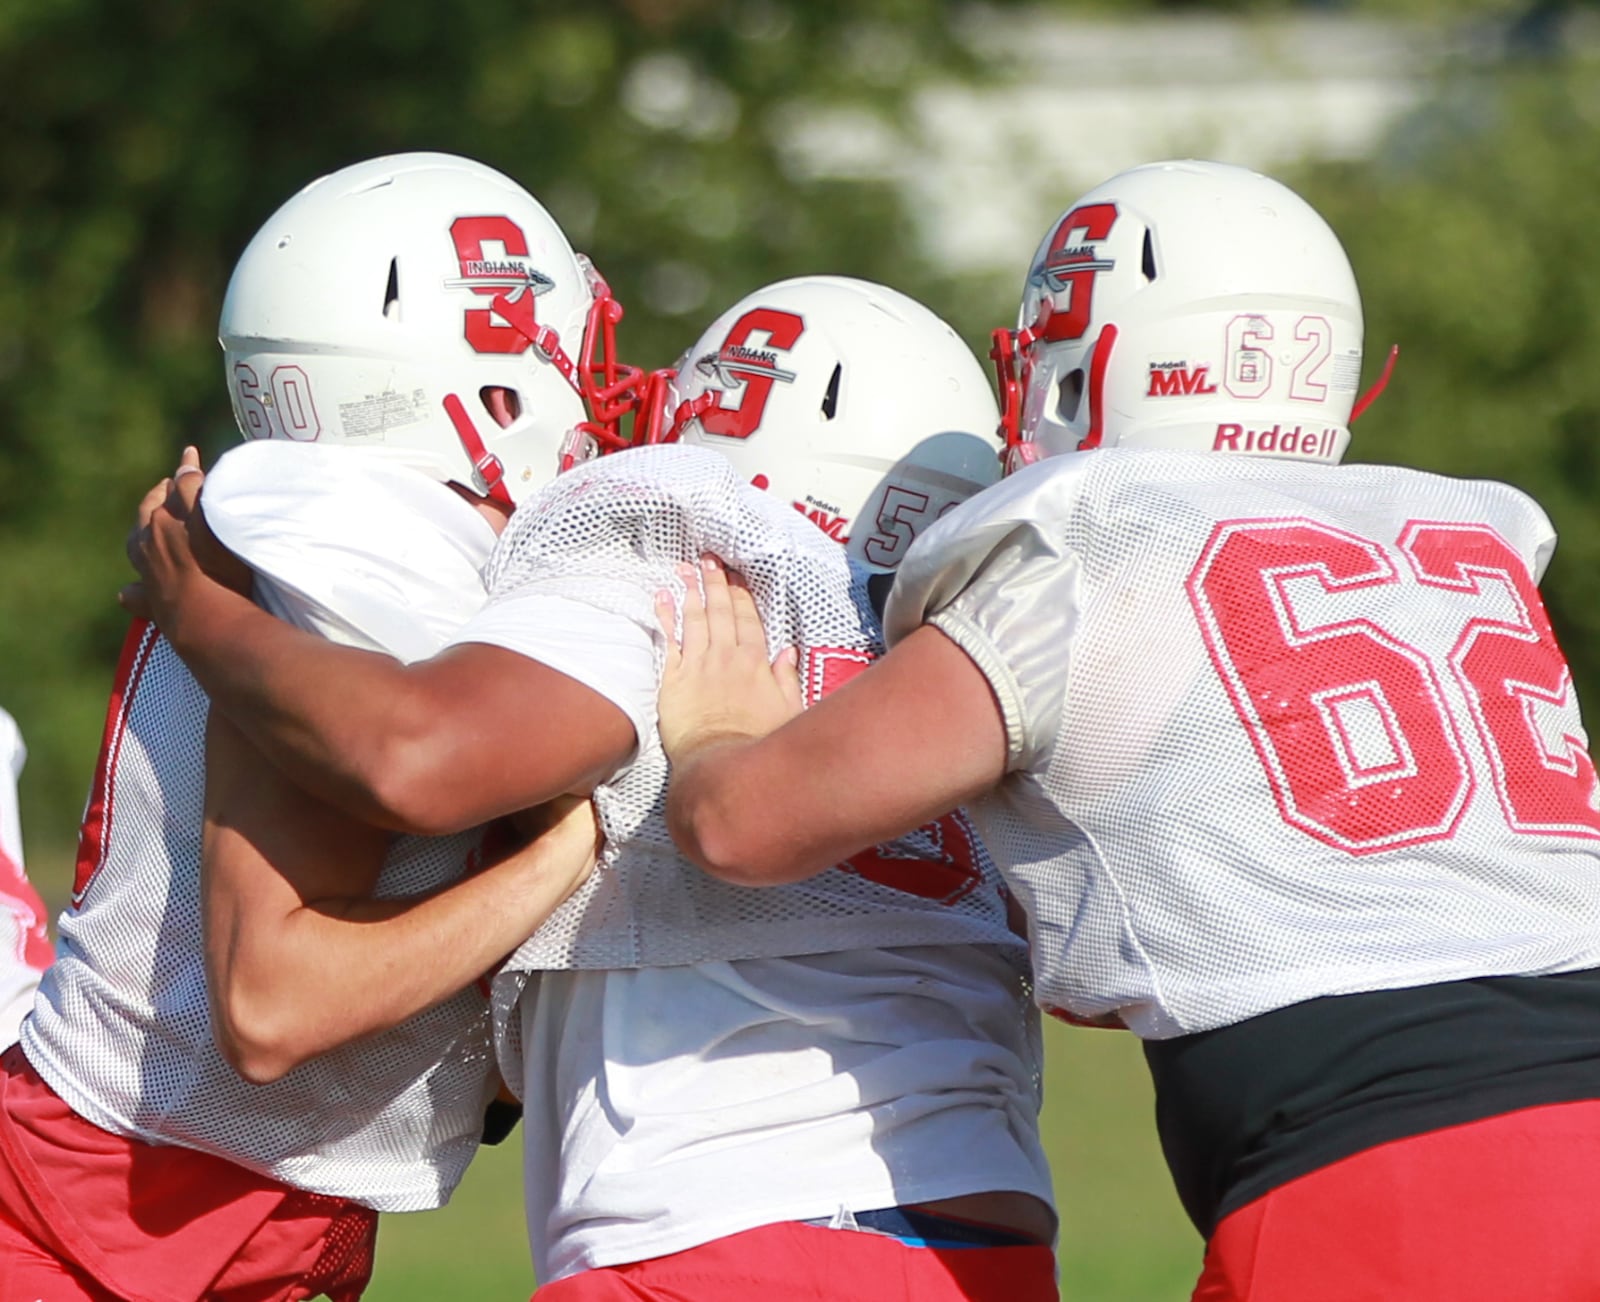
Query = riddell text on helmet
x=1275 y=439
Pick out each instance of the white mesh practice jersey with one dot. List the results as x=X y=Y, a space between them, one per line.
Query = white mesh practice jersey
x=1276 y=731
x=24 y=944
x=670 y=1106
x=121 y=1029
x=607 y=536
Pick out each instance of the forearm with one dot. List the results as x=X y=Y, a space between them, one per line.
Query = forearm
x=328 y=716
x=720 y=818
x=904 y=743
x=298 y=955
x=340 y=969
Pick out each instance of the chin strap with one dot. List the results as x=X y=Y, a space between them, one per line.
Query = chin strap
x=653 y=423
x=609 y=390
x=1378 y=386
x=1003 y=353
x=1007 y=346
x=1099 y=360
x=490 y=469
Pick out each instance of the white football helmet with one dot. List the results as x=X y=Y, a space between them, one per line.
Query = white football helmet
x=1185 y=305
x=383 y=303
x=848 y=399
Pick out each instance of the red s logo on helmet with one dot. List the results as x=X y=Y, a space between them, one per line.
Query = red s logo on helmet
x=1070 y=265
x=751 y=369
x=510 y=274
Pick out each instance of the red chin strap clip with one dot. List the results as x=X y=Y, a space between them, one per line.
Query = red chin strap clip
x=489 y=467
x=649 y=423
x=609 y=390
x=1099 y=362
x=654 y=423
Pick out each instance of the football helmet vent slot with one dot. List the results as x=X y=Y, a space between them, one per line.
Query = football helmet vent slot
x=391 y=293
x=1149 y=261
x=830 y=400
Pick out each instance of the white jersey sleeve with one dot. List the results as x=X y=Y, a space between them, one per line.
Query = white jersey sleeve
x=606 y=651
x=981 y=575
x=13 y=755
x=363 y=551
x=24 y=944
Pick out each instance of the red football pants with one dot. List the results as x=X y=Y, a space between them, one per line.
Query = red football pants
x=1494 y=1211
x=790 y=1262
x=87 y=1216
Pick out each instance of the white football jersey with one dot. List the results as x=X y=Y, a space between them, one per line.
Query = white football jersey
x=573 y=584
x=670 y=1106
x=24 y=944
x=1277 y=731
x=374 y=555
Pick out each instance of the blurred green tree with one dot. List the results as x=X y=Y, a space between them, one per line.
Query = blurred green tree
x=145 y=143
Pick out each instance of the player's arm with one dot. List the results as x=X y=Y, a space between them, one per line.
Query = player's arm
x=477 y=732
x=757 y=803
x=300 y=959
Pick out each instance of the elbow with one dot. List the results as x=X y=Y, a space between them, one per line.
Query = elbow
x=407 y=788
x=261 y=1046
x=732 y=844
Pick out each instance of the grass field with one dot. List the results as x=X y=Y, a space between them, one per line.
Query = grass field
x=1123 y=1236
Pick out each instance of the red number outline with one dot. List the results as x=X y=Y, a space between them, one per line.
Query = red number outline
x=950 y=877
x=1506 y=663
x=251 y=410
x=895 y=530
x=1271 y=689
x=1504 y=667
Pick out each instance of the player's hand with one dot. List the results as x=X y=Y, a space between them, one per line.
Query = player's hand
x=564 y=840
x=171 y=548
x=719 y=683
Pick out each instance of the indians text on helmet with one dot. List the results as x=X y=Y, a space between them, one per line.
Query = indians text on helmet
x=1069 y=265
x=509 y=273
x=750 y=369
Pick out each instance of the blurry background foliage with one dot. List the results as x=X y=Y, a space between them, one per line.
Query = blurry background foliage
x=141 y=145
x=678 y=141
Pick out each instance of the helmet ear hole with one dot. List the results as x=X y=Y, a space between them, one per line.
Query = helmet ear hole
x=503 y=405
x=391 y=293
x=830 y=399
x=1069 y=396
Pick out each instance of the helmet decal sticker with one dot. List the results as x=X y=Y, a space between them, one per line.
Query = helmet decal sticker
x=750 y=369
x=1179 y=379
x=1070 y=265
x=510 y=273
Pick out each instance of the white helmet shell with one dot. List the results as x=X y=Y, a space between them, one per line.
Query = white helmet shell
x=848 y=399
x=1190 y=305
x=370 y=297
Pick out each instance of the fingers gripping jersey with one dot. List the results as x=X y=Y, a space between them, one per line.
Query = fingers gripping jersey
x=1277 y=731
x=24 y=945
x=122 y=1032
x=609 y=535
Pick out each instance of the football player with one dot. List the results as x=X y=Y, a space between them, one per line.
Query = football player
x=26 y=948
x=138 y=1163
x=1281 y=756
x=827 y=1092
